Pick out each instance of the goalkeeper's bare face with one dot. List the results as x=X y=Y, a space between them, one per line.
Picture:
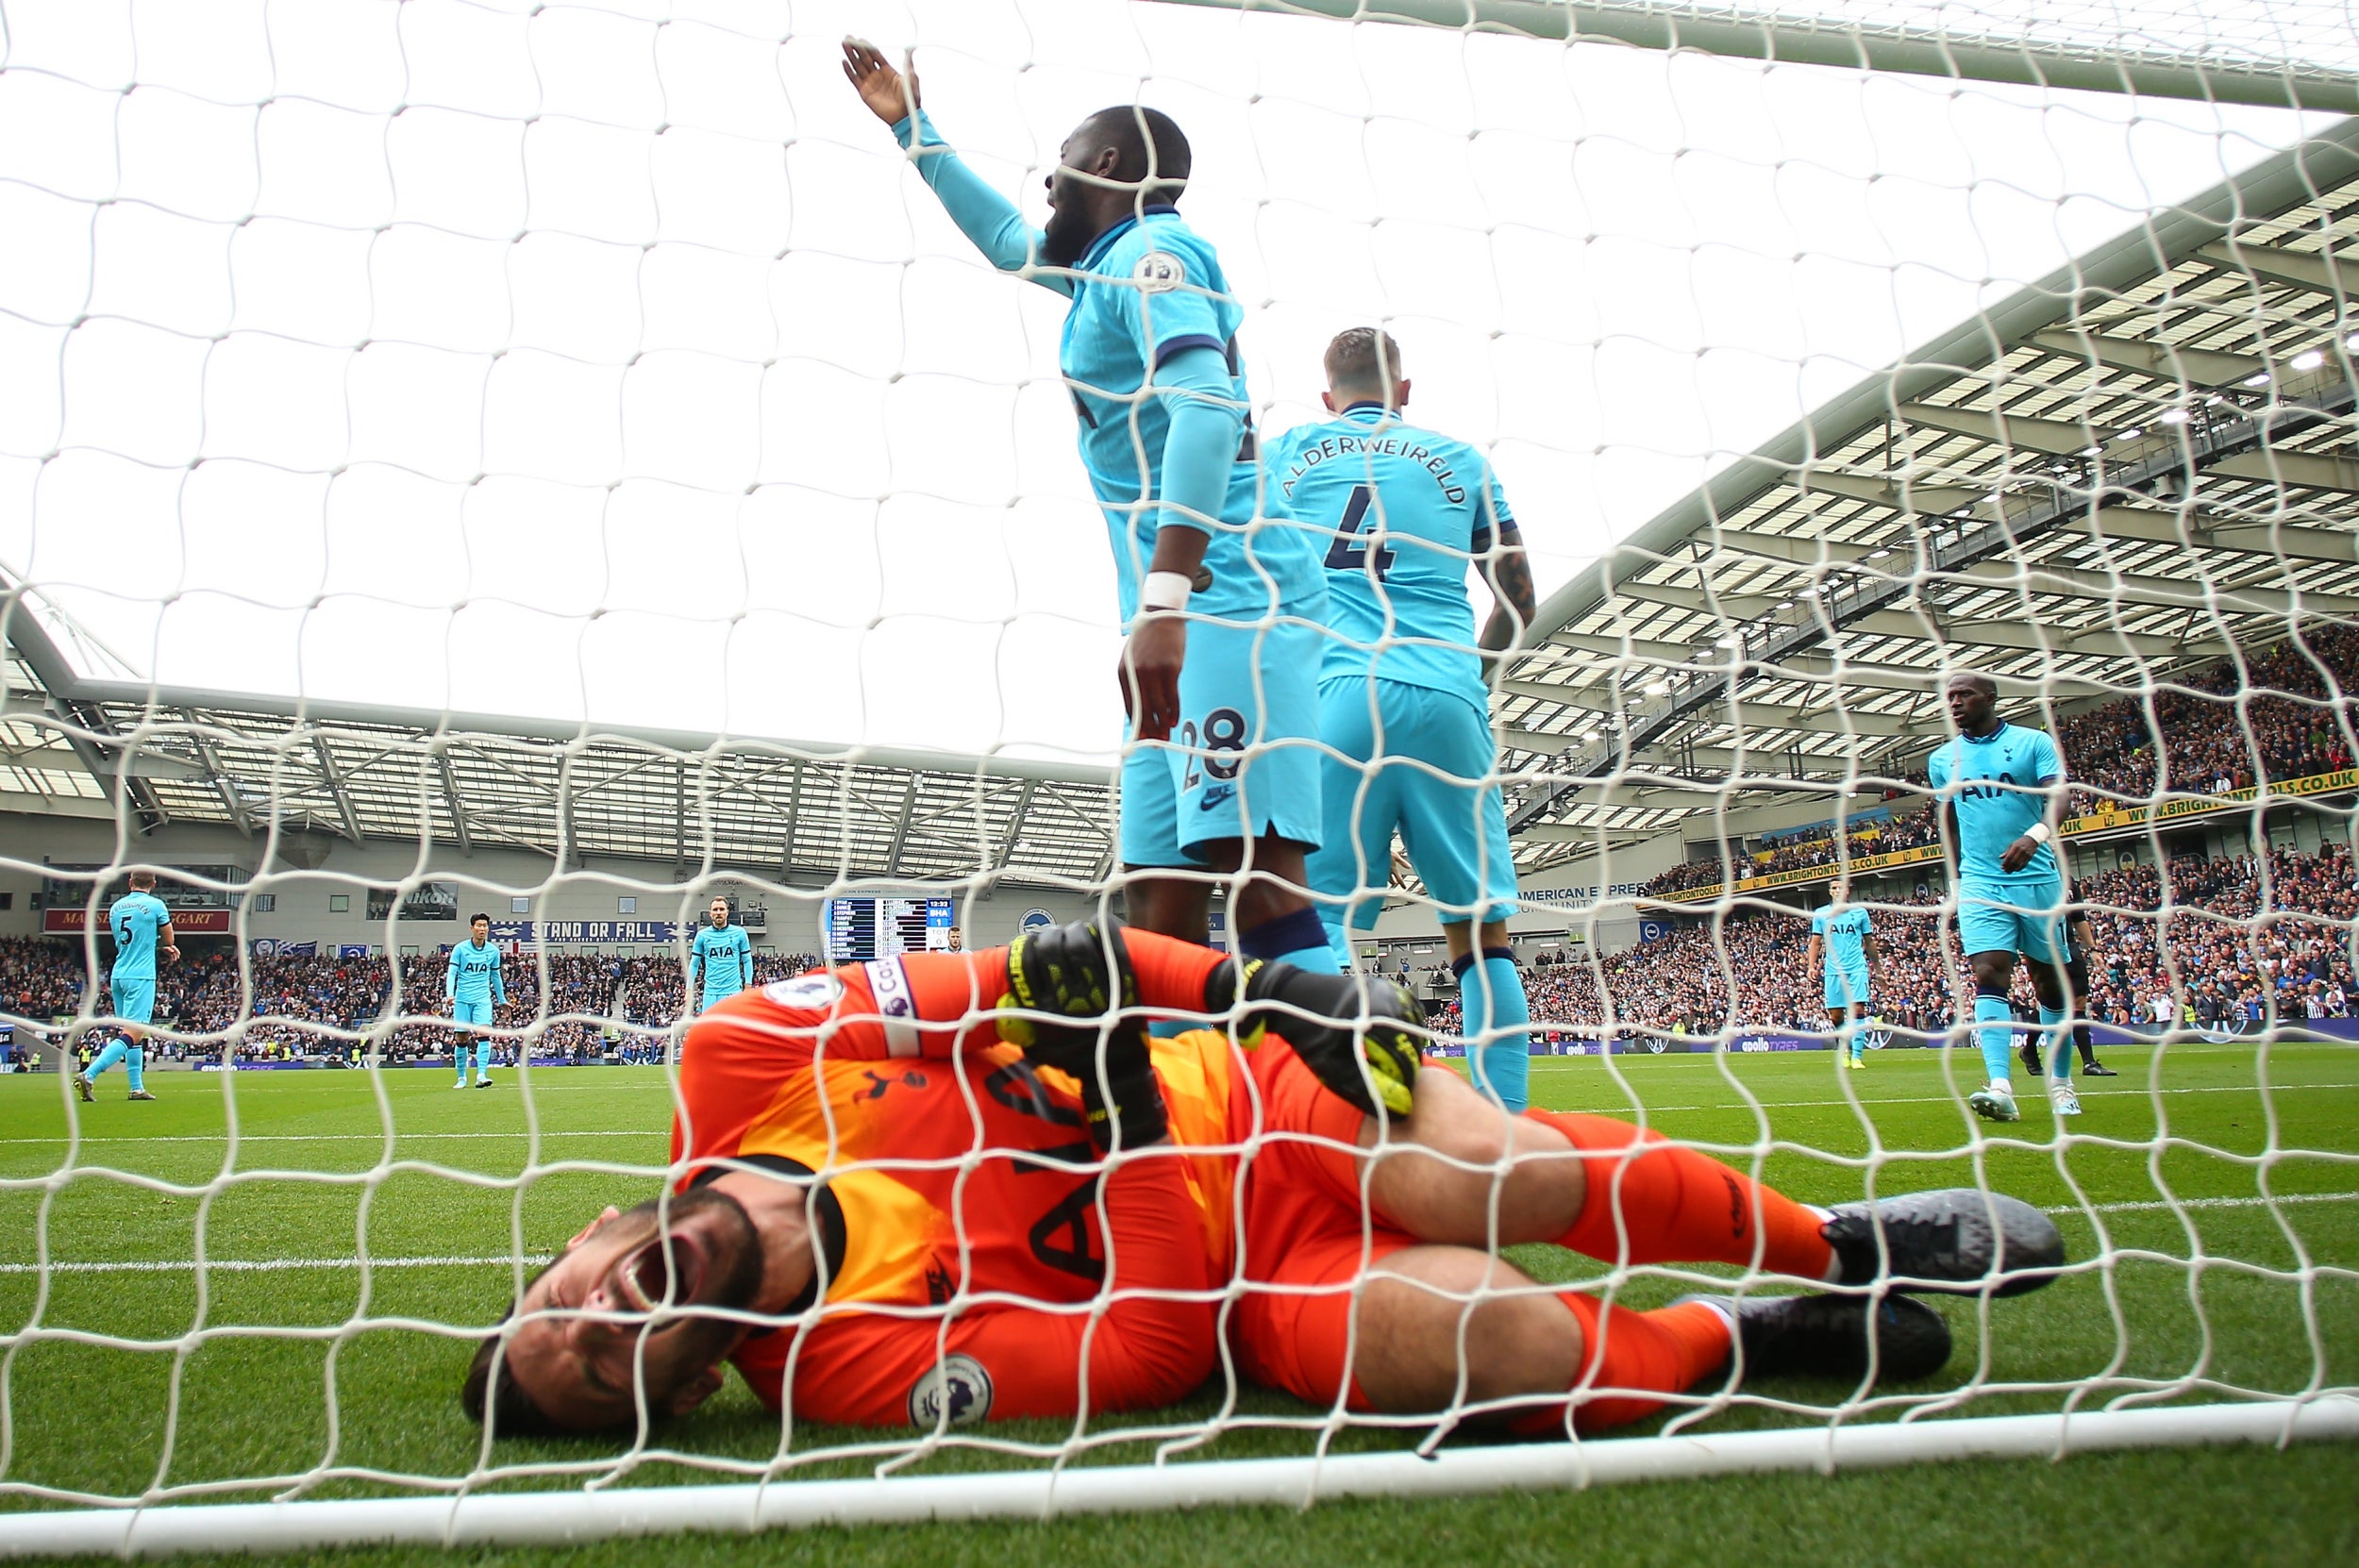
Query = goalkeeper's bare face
x=620 y=1312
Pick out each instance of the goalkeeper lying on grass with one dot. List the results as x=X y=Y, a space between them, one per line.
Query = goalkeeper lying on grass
x=951 y=1187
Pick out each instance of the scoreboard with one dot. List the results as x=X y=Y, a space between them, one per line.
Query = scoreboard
x=861 y=928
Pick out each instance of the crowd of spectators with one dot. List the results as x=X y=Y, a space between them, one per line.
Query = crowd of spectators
x=1794 y=853
x=2282 y=716
x=2237 y=932
x=571 y=1007
x=2285 y=715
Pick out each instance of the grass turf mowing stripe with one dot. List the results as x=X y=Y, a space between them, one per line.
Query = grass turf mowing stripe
x=263 y=1265
x=259 y=1265
x=648 y=1132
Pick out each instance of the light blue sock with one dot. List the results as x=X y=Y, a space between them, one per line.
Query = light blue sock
x=1491 y=994
x=135 y=1063
x=1994 y=1025
x=2058 y=1039
x=458 y=1059
x=1315 y=960
x=115 y=1051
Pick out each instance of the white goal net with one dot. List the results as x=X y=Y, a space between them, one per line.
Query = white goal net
x=562 y=463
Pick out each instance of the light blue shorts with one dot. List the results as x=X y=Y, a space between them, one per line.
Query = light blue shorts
x=478 y=1013
x=714 y=998
x=2025 y=917
x=1846 y=987
x=134 y=1000
x=1243 y=761
x=1421 y=765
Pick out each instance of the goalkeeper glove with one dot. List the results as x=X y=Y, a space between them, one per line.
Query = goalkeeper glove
x=1082 y=972
x=1348 y=1029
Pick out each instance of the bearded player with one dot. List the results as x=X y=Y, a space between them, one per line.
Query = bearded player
x=1999 y=787
x=892 y=1212
x=1398 y=512
x=721 y=960
x=1220 y=670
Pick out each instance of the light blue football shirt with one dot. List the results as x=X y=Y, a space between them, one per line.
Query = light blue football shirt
x=1846 y=929
x=135 y=919
x=1999 y=787
x=474 y=975
x=727 y=958
x=1147 y=290
x=1396 y=512
x=1150 y=288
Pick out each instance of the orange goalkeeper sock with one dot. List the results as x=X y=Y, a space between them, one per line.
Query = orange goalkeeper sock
x=1679 y=1206
x=1668 y=1351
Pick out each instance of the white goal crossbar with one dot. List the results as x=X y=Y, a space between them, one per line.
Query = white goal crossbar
x=1925 y=48
x=556 y=1518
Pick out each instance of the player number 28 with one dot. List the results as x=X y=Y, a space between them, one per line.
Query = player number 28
x=1224 y=731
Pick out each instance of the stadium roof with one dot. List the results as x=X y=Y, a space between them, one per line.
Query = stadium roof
x=69 y=740
x=2137 y=464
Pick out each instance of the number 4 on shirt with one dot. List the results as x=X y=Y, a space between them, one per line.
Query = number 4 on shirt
x=1349 y=553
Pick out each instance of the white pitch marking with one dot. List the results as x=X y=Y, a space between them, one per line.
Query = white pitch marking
x=2134 y=1206
x=1956 y=1100
x=326 y=1137
x=262 y=1265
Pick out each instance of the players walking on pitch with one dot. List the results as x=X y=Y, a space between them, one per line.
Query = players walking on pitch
x=1999 y=786
x=1397 y=512
x=1223 y=612
x=474 y=986
x=141 y=926
x=1843 y=937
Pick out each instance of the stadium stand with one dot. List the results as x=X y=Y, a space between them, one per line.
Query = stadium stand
x=2234 y=942
x=312 y=1005
x=2214 y=738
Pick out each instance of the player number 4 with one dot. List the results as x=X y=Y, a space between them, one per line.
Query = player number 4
x=1348 y=552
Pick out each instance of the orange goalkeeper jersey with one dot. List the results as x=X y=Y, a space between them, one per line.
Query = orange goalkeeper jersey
x=978 y=1260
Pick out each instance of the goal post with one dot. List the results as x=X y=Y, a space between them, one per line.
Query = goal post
x=571 y=1518
x=551 y=410
x=2224 y=70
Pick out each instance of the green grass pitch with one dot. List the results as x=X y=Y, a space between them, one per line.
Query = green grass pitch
x=301 y=1369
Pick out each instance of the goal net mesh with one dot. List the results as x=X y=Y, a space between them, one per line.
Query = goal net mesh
x=367 y=371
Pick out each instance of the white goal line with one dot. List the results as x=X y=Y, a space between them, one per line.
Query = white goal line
x=267 y=1265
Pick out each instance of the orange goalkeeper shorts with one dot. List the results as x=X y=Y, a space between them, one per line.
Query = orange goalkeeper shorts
x=1307 y=1235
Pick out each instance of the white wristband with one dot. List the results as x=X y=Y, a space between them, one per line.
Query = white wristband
x=2039 y=832
x=1165 y=590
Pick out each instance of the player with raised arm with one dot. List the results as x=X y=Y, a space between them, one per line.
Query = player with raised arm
x=936 y=1189
x=1844 y=938
x=720 y=962
x=1999 y=787
x=1222 y=607
x=141 y=926
x=1398 y=513
x=474 y=986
